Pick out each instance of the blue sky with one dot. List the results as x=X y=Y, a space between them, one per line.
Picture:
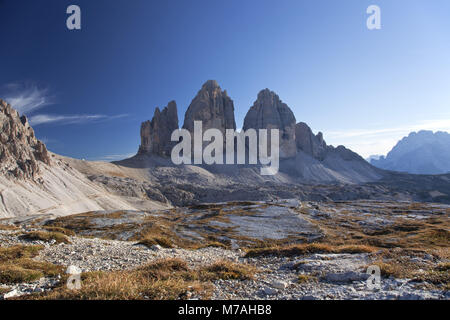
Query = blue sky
x=87 y=91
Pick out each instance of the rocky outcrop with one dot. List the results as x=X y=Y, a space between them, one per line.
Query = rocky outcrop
x=269 y=112
x=316 y=147
x=155 y=134
x=20 y=151
x=213 y=107
x=345 y=154
x=35 y=181
x=311 y=144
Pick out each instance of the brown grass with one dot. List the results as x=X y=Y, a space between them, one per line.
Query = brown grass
x=227 y=270
x=305 y=278
x=4 y=290
x=308 y=248
x=16 y=265
x=64 y=231
x=443 y=266
x=156 y=240
x=396 y=270
x=46 y=236
x=10 y=274
x=440 y=279
x=212 y=244
x=17 y=252
x=8 y=227
x=163 y=279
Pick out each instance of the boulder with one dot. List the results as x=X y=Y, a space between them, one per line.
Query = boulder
x=346 y=277
x=12 y=294
x=279 y=285
x=270 y=291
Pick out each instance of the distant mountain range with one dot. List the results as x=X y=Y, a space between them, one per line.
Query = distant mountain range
x=422 y=152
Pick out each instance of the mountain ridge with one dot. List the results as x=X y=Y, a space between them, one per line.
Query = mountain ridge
x=422 y=152
x=301 y=152
x=149 y=180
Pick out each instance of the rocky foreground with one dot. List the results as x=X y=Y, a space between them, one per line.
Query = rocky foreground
x=297 y=250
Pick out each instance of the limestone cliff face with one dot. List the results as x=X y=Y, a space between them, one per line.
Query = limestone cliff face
x=269 y=112
x=311 y=144
x=20 y=151
x=213 y=107
x=155 y=134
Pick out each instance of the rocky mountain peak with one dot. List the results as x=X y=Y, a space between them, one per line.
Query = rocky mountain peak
x=269 y=112
x=155 y=134
x=20 y=151
x=210 y=85
x=267 y=94
x=213 y=107
x=311 y=144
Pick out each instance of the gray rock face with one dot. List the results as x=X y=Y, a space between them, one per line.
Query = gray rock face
x=20 y=151
x=345 y=153
x=155 y=134
x=311 y=144
x=345 y=277
x=213 y=107
x=316 y=147
x=303 y=154
x=269 y=112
